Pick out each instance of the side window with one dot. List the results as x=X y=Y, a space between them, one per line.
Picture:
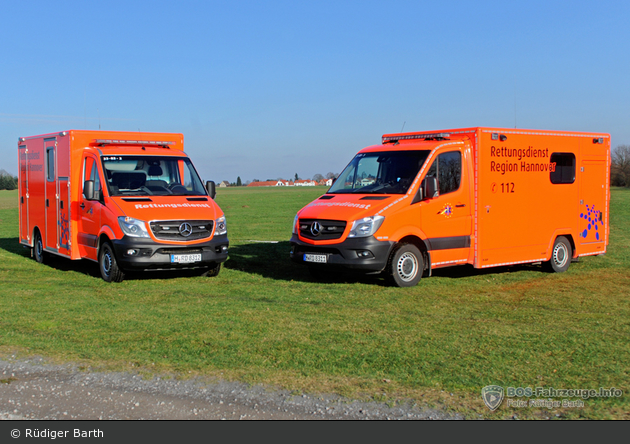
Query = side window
x=90 y=172
x=562 y=168
x=95 y=177
x=448 y=170
x=50 y=163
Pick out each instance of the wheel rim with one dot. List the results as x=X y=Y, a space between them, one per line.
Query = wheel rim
x=107 y=262
x=407 y=266
x=560 y=255
x=39 y=247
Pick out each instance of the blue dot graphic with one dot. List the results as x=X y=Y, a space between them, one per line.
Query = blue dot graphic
x=595 y=227
x=589 y=226
x=597 y=236
x=584 y=233
x=582 y=215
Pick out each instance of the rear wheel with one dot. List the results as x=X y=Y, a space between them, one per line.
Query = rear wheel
x=560 y=255
x=108 y=265
x=405 y=266
x=38 y=248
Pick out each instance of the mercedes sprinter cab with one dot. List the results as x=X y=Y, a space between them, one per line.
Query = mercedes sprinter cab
x=481 y=196
x=127 y=200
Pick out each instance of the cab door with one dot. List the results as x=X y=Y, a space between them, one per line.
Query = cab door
x=446 y=217
x=89 y=211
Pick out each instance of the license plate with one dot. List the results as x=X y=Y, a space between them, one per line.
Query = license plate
x=185 y=258
x=319 y=258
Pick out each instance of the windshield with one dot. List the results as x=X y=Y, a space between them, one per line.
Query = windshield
x=389 y=172
x=151 y=175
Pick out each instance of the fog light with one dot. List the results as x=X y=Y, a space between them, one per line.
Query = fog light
x=224 y=248
x=132 y=252
x=364 y=254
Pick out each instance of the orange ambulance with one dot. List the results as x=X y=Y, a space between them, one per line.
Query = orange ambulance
x=127 y=200
x=481 y=196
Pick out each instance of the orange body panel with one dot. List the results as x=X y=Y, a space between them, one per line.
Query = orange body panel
x=53 y=168
x=506 y=210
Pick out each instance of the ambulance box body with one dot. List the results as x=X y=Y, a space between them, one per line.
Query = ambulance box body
x=482 y=196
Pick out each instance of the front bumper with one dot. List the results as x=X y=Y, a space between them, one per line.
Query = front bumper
x=363 y=253
x=152 y=255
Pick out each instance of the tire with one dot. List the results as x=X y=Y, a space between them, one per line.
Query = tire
x=108 y=265
x=212 y=271
x=405 y=266
x=38 y=248
x=561 y=255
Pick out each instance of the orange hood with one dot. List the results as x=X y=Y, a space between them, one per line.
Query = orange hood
x=348 y=207
x=168 y=208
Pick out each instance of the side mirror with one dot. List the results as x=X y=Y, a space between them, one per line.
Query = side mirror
x=211 y=188
x=430 y=186
x=419 y=195
x=88 y=189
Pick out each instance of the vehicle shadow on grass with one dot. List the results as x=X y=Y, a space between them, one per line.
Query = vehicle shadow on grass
x=87 y=267
x=272 y=260
x=12 y=245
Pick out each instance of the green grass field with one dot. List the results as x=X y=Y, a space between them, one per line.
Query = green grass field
x=265 y=320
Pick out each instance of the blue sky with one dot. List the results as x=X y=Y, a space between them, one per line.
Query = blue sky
x=264 y=90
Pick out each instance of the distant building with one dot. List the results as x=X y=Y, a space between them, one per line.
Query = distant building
x=265 y=183
x=304 y=183
x=224 y=184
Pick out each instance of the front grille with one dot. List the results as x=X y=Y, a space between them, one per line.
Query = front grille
x=179 y=250
x=329 y=229
x=170 y=230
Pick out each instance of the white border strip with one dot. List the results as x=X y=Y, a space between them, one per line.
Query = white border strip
x=513 y=263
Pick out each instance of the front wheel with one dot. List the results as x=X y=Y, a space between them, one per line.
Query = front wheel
x=405 y=266
x=212 y=271
x=108 y=265
x=560 y=255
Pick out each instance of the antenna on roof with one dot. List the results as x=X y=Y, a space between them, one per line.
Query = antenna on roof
x=514 y=102
x=403 y=126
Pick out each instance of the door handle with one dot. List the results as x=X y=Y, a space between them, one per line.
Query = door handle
x=460 y=205
x=83 y=205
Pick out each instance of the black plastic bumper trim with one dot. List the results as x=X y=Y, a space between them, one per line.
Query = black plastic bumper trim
x=344 y=254
x=151 y=254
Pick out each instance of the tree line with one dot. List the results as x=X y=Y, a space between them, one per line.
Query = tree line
x=8 y=182
x=316 y=178
x=620 y=166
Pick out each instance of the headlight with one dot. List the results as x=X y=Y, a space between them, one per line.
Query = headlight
x=295 y=221
x=366 y=226
x=221 y=227
x=133 y=227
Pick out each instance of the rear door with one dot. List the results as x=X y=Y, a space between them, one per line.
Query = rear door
x=23 y=195
x=51 y=196
x=591 y=228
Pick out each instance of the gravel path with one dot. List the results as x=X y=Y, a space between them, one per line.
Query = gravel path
x=33 y=389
